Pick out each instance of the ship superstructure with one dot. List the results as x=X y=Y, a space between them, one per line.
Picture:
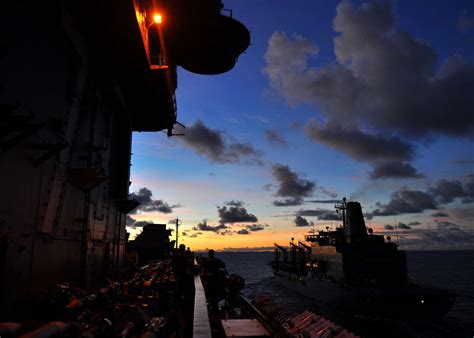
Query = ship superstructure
x=80 y=77
x=353 y=268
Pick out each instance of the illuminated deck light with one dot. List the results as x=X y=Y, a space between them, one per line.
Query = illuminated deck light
x=157 y=18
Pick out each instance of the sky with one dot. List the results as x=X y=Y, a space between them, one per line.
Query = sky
x=373 y=101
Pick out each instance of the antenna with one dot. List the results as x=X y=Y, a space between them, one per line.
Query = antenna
x=342 y=206
x=396 y=231
x=177 y=222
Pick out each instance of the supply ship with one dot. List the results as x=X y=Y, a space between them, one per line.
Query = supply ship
x=352 y=269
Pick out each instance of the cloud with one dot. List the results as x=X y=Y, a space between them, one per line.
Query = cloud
x=287 y=202
x=333 y=201
x=321 y=214
x=275 y=137
x=447 y=191
x=384 y=152
x=389 y=227
x=448 y=235
x=211 y=143
x=440 y=214
x=447 y=225
x=359 y=145
x=256 y=227
x=301 y=221
x=405 y=201
x=133 y=223
x=391 y=169
x=234 y=214
x=465 y=23
x=291 y=186
x=444 y=235
x=403 y=226
x=267 y=187
x=234 y=203
x=326 y=192
x=148 y=204
x=391 y=84
x=243 y=232
x=203 y=226
x=415 y=223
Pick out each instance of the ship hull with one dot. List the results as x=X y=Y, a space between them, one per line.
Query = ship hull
x=414 y=301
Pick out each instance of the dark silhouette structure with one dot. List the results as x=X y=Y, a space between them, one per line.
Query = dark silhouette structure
x=80 y=77
x=359 y=271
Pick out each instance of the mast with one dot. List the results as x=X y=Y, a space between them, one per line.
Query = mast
x=177 y=222
x=342 y=206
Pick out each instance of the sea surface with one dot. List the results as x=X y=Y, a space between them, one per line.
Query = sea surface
x=446 y=269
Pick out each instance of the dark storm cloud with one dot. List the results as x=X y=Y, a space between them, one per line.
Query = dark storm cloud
x=392 y=169
x=301 y=221
x=390 y=80
x=415 y=223
x=405 y=201
x=275 y=137
x=440 y=214
x=389 y=227
x=211 y=143
x=234 y=203
x=148 y=204
x=403 y=226
x=233 y=214
x=203 y=226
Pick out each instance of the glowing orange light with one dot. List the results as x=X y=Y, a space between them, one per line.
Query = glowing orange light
x=157 y=18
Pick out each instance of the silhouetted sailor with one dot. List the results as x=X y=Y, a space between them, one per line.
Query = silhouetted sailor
x=213 y=277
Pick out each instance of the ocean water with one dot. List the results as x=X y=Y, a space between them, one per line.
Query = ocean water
x=447 y=269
